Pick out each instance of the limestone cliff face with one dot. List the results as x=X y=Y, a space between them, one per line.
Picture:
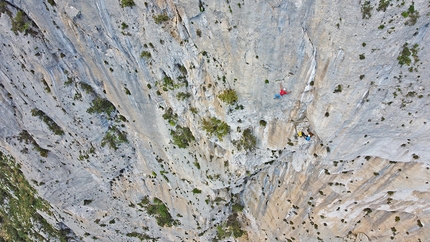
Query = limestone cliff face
x=103 y=104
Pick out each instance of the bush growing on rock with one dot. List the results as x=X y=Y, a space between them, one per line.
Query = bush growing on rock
x=247 y=142
x=101 y=105
x=127 y=3
x=161 y=18
x=214 y=126
x=182 y=136
x=228 y=96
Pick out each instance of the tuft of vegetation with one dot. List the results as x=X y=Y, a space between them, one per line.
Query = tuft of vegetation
x=263 y=123
x=141 y=237
x=383 y=5
x=124 y=25
x=145 y=54
x=214 y=126
x=199 y=32
x=338 y=89
x=415 y=156
x=362 y=56
x=20 y=23
x=20 y=207
x=236 y=207
x=183 y=95
x=28 y=139
x=404 y=56
x=228 y=96
x=47 y=88
x=231 y=227
x=170 y=116
x=161 y=18
x=182 y=136
x=366 y=10
x=114 y=137
x=412 y=14
x=127 y=91
x=159 y=210
x=247 y=142
x=197 y=191
x=45 y=118
x=101 y=105
x=87 y=88
x=127 y=3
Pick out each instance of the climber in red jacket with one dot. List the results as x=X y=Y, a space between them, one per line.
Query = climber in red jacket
x=283 y=90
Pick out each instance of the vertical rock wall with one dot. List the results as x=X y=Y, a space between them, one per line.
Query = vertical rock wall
x=93 y=94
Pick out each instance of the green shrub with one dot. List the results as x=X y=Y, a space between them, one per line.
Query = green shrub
x=412 y=14
x=170 y=116
x=127 y=91
x=183 y=95
x=161 y=18
x=114 y=137
x=263 y=123
x=237 y=208
x=183 y=70
x=21 y=207
x=228 y=96
x=197 y=191
x=199 y=32
x=86 y=87
x=49 y=122
x=247 y=142
x=182 y=136
x=338 y=89
x=403 y=57
x=145 y=54
x=28 y=139
x=366 y=10
x=383 y=5
x=362 y=57
x=101 y=105
x=124 y=25
x=214 y=126
x=159 y=210
x=127 y=3
x=20 y=23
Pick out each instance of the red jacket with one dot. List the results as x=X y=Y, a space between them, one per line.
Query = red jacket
x=283 y=92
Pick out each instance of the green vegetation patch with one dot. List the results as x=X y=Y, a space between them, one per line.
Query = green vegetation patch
x=231 y=227
x=168 y=84
x=142 y=237
x=214 y=126
x=182 y=136
x=159 y=210
x=247 y=142
x=145 y=54
x=45 y=118
x=383 y=5
x=170 y=116
x=4 y=8
x=406 y=52
x=28 y=139
x=161 y=18
x=101 y=105
x=20 y=206
x=228 y=96
x=114 y=137
x=20 y=23
x=87 y=88
x=127 y=3
x=412 y=14
x=366 y=10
